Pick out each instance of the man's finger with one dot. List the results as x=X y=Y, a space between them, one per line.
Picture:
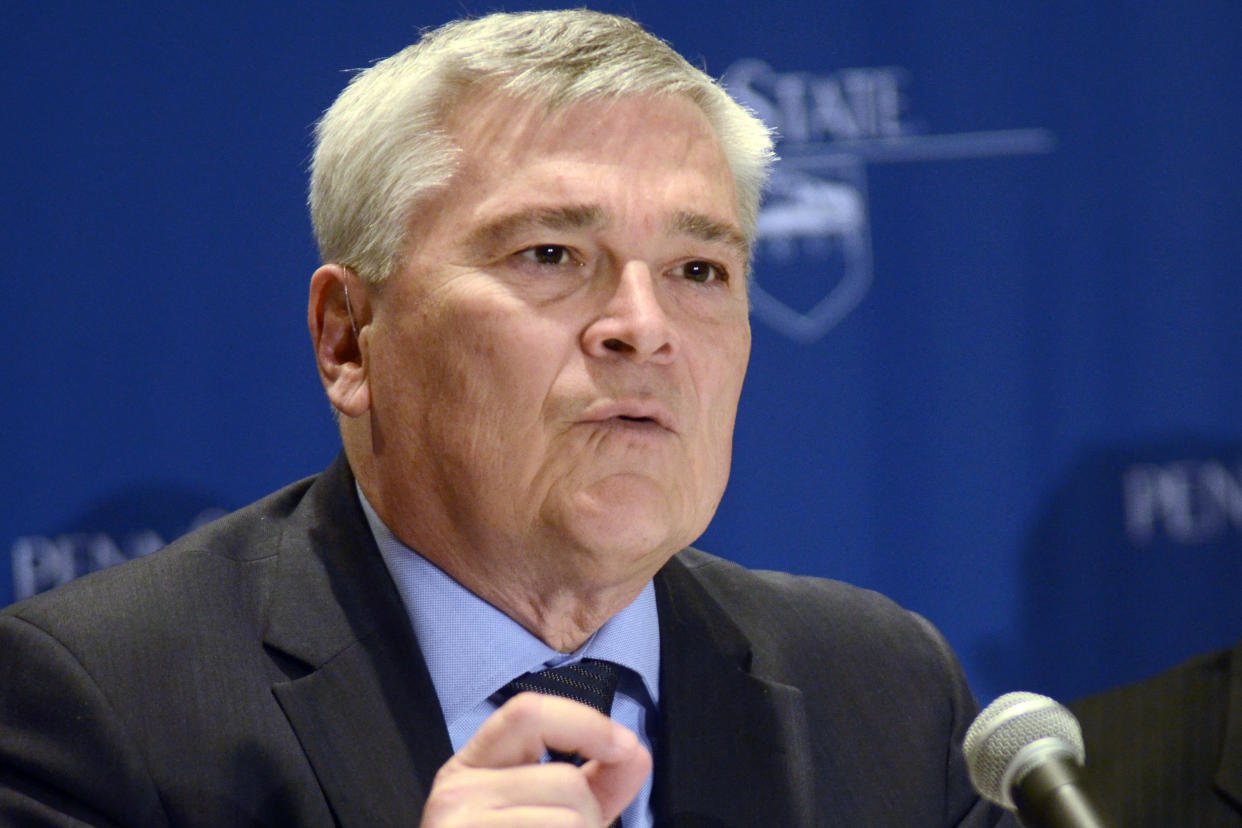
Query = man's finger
x=529 y=817
x=527 y=725
x=616 y=782
x=460 y=789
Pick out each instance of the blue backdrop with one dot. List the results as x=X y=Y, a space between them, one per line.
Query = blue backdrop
x=997 y=370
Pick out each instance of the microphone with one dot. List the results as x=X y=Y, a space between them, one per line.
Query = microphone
x=1025 y=753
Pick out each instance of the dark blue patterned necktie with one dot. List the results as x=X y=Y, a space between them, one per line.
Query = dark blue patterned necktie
x=589 y=681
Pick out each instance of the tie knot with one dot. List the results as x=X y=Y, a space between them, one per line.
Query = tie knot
x=589 y=681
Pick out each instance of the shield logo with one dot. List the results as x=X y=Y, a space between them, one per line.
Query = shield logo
x=813 y=254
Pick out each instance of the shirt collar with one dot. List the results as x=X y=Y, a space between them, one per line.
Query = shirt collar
x=472 y=649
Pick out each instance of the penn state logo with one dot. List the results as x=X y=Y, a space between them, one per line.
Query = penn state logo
x=814 y=237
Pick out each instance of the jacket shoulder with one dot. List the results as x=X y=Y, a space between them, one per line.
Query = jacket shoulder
x=819 y=632
x=217 y=573
x=868 y=671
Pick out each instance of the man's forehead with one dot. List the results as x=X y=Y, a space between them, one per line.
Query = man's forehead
x=524 y=165
x=491 y=124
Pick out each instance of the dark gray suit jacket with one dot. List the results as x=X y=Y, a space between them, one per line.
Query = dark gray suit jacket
x=262 y=671
x=1168 y=750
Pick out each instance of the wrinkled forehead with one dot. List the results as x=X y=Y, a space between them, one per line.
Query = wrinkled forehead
x=495 y=133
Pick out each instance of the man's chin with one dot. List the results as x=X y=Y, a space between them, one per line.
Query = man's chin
x=629 y=546
x=628 y=521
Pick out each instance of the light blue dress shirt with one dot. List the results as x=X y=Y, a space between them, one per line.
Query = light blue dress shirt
x=473 y=649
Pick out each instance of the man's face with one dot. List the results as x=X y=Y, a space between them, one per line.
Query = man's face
x=555 y=370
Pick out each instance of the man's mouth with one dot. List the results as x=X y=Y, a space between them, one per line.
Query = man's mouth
x=632 y=413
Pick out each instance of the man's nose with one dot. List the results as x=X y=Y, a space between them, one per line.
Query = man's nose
x=632 y=323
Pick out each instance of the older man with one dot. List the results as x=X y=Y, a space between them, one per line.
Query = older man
x=532 y=321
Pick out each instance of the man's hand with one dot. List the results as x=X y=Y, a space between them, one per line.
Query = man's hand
x=496 y=779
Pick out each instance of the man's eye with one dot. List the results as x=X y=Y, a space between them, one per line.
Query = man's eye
x=547 y=254
x=699 y=270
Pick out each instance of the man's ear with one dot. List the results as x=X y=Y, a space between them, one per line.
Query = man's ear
x=338 y=313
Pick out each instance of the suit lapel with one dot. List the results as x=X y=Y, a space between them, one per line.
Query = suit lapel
x=1229 y=773
x=359 y=696
x=732 y=746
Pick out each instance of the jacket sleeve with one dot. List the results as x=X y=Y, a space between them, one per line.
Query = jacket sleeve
x=65 y=757
x=966 y=809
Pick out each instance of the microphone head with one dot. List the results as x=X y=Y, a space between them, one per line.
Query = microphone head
x=1012 y=735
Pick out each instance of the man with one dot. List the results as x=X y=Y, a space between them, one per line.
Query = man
x=1167 y=750
x=532 y=322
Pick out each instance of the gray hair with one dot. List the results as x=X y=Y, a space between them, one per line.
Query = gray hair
x=381 y=148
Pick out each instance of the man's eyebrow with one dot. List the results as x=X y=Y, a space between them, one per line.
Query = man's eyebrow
x=497 y=232
x=708 y=229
